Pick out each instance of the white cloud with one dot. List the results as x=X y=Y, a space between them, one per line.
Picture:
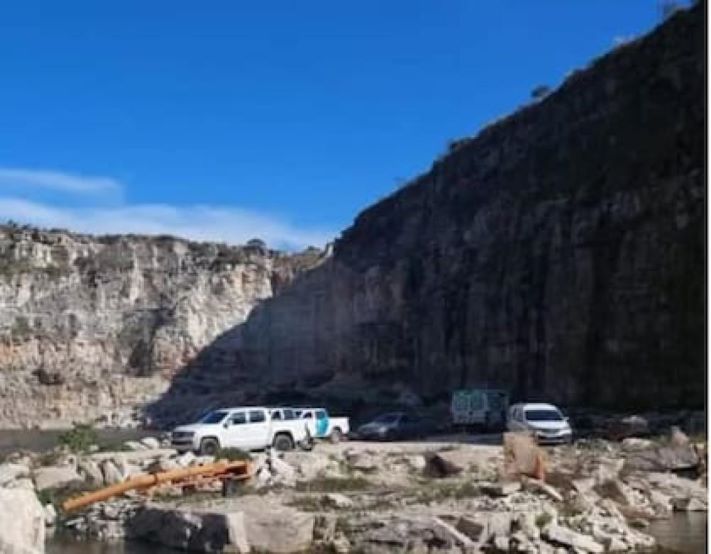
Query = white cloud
x=59 y=181
x=229 y=224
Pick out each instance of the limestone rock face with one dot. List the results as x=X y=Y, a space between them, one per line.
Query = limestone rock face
x=558 y=254
x=91 y=327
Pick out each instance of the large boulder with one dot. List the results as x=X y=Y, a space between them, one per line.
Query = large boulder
x=110 y=472
x=53 y=477
x=258 y=525
x=282 y=472
x=10 y=472
x=91 y=472
x=570 y=539
x=684 y=494
x=362 y=461
x=150 y=442
x=181 y=529
x=22 y=522
x=446 y=463
x=671 y=457
x=275 y=528
x=308 y=465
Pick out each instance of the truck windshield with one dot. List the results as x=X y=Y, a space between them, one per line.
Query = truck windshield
x=543 y=415
x=214 y=417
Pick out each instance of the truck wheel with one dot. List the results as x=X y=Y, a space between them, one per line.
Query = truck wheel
x=283 y=442
x=209 y=447
x=336 y=436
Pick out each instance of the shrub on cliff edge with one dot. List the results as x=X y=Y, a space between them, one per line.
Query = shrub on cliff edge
x=79 y=439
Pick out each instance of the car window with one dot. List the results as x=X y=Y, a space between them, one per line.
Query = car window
x=289 y=414
x=320 y=414
x=256 y=416
x=276 y=415
x=214 y=417
x=238 y=418
x=307 y=415
x=543 y=415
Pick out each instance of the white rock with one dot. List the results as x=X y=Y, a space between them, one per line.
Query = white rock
x=308 y=465
x=618 y=491
x=362 y=461
x=281 y=470
x=504 y=488
x=341 y=545
x=90 y=471
x=185 y=459
x=568 y=537
x=150 y=442
x=53 y=477
x=237 y=539
x=134 y=445
x=534 y=485
x=111 y=474
x=22 y=522
x=9 y=472
x=337 y=500
x=449 y=534
x=275 y=528
x=50 y=515
x=22 y=483
x=583 y=485
x=633 y=444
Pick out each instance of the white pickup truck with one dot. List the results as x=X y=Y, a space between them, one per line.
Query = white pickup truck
x=322 y=426
x=245 y=427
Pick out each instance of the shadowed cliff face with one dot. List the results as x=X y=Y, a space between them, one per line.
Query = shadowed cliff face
x=560 y=254
x=91 y=327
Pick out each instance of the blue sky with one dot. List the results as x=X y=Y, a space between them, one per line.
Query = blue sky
x=226 y=120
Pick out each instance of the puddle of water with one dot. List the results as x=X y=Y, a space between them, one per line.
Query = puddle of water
x=63 y=544
x=683 y=533
x=39 y=441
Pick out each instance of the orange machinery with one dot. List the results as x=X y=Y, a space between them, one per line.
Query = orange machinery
x=226 y=471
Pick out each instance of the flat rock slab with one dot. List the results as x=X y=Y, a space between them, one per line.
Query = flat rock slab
x=53 y=477
x=252 y=524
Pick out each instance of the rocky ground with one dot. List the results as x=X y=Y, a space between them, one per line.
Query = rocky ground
x=429 y=496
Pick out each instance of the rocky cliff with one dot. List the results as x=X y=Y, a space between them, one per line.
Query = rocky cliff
x=92 y=327
x=560 y=254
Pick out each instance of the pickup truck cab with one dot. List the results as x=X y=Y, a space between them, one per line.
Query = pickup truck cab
x=323 y=426
x=245 y=427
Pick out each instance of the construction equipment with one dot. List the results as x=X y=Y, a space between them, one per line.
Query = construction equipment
x=229 y=472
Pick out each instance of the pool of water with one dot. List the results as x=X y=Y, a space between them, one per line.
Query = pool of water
x=40 y=441
x=683 y=532
x=62 y=544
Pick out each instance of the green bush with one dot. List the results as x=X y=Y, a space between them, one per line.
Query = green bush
x=334 y=484
x=543 y=519
x=233 y=454
x=79 y=439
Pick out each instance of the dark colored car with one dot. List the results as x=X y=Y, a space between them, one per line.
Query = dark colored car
x=394 y=426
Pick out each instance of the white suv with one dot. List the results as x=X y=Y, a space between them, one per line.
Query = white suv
x=245 y=427
x=544 y=420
